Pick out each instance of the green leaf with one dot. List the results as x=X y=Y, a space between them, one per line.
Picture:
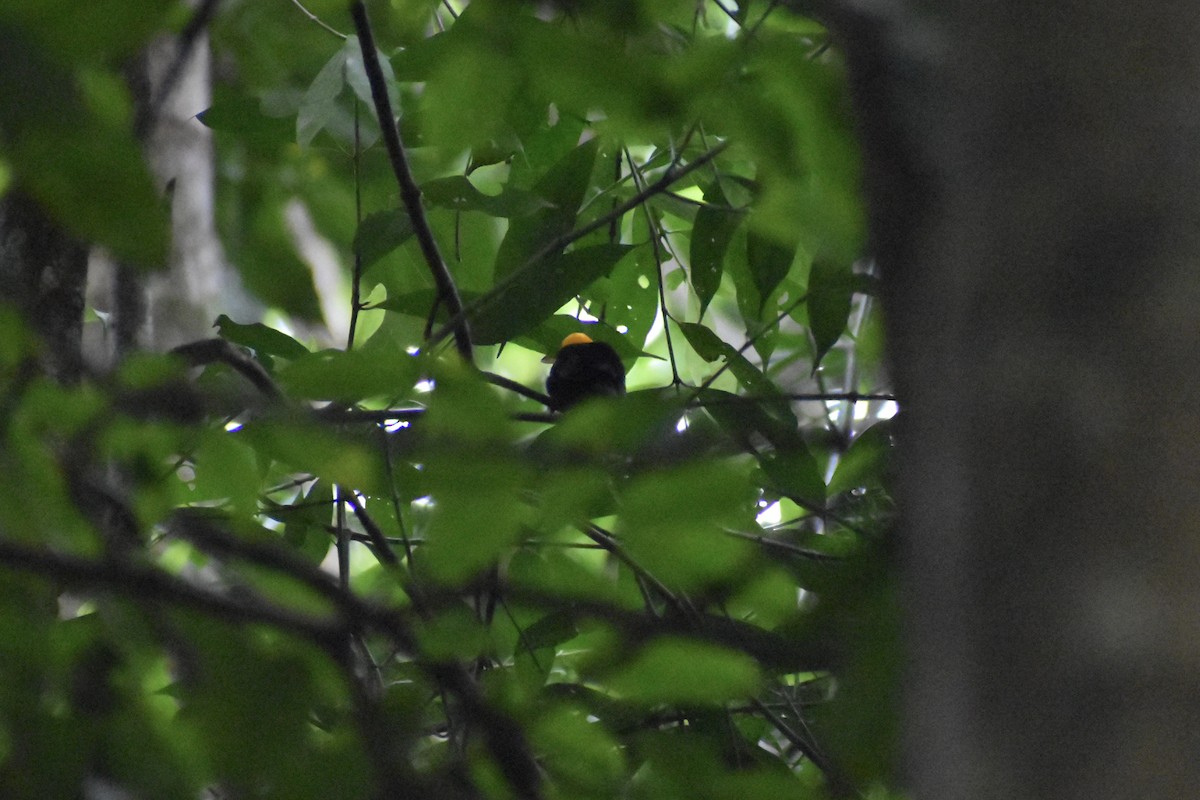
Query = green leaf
x=226 y=469
x=477 y=511
x=830 y=288
x=714 y=675
x=349 y=376
x=453 y=635
x=260 y=338
x=320 y=99
x=548 y=336
x=866 y=462
x=322 y=105
x=579 y=754
x=711 y=235
x=356 y=75
x=474 y=508
x=308 y=448
x=270 y=265
x=790 y=466
x=88 y=33
x=636 y=422
x=562 y=188
x=551 y=630
x=707 y=344
x=306 y=523
x=380 y=233
x=98 y=186
x=770 y=261
x=68 y=137
x=673 y=523
x=459 y=194
x=711 y=347
x=628 y=297
x=238 y=113
x=793 y=472
x=525 y=305
x=533 y=294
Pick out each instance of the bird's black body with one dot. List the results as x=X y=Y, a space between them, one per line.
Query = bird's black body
x=583 y=370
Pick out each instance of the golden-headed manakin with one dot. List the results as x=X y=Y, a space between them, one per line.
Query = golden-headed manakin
x=584 y=368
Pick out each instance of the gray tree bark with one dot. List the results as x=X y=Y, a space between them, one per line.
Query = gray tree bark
x=43 y=271
x=1034 y=172
x=180 y=303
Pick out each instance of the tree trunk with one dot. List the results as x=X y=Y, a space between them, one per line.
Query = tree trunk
x=43 y=272
x=1035 y=183
x=180 y=303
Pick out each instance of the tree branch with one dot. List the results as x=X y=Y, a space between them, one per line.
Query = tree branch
x=206 y=351
x=146 y=583
x=410 y=193
x=504 y=736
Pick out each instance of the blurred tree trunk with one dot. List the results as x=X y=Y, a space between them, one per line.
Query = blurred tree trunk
x=1034 y=173
x=43 y=271
x=172 y=83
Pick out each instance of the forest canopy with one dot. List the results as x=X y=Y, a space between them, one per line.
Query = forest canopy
x=311 y=558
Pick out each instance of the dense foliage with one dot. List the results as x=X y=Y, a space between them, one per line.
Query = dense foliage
x=278 y=566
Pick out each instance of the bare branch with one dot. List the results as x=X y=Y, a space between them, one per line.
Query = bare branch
x=314 y=18
x=410 y=193
x=207 y=351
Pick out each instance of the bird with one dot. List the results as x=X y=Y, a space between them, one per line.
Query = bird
x=584 y=368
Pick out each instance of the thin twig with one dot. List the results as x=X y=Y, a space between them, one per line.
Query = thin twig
x=379 y=542
x=318 y=20
x=799 y=397
x=514 y=386
x=771 y=543
x=394 y=495
x=410 y=192
x=341 y=537
x=808 y=748
x=384 y=415
x=746 y=346
x=504 y=736
x=671 y=175
x=656 y=234
x=609 y=542
x=356 y=286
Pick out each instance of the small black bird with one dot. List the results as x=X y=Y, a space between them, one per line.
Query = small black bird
x=582 y=369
